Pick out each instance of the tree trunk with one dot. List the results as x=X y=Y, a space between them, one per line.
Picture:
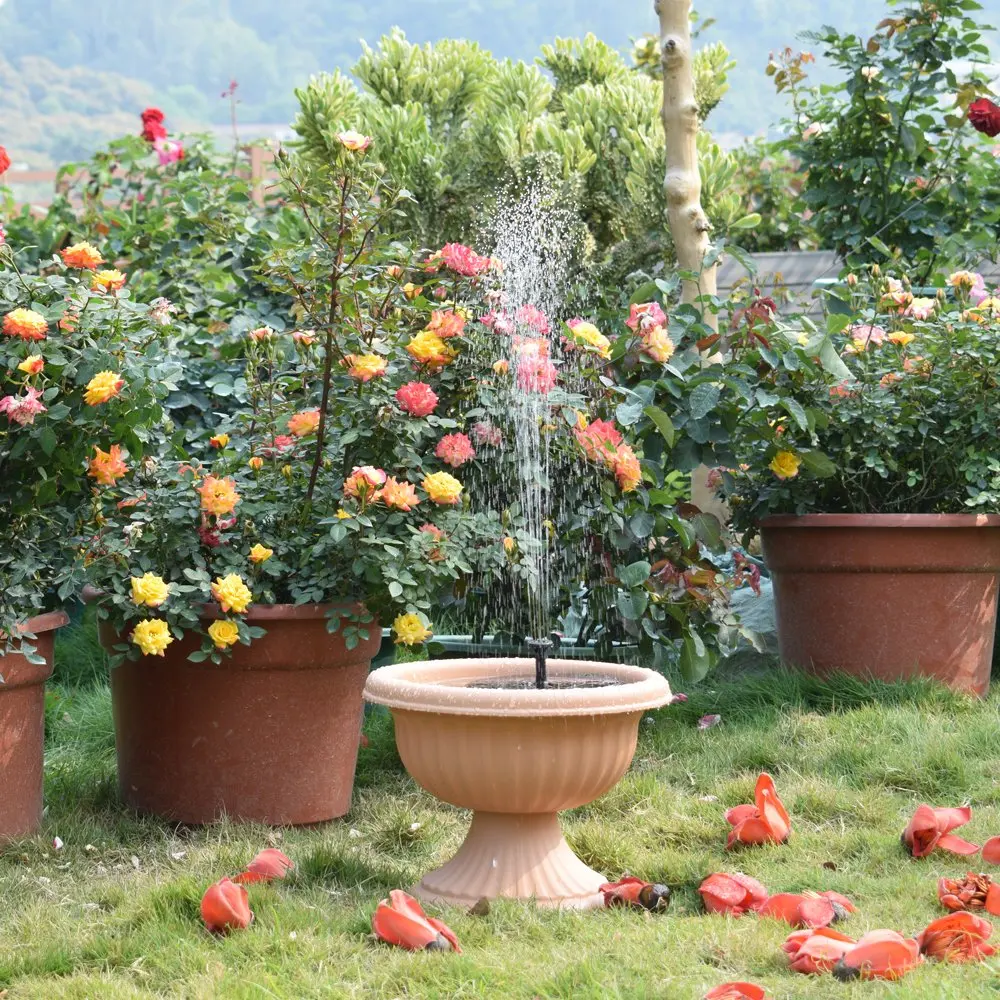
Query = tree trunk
x=689 y=225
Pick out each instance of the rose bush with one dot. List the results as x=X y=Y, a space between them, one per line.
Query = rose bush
x=328 y=485
x=83 y=372
x=893 y=409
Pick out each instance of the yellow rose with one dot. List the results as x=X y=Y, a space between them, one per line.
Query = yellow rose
x=256 y=463
x=149 y=590
x=342 y=514
x=219 y=440
x=410 y=630
x=152 y=636
x=232 y=593
x=102 y=387
x=656 y=344
x=107 y=281
x=224 y=633
x=260 y=553
x=429 y=349
x=901 y=339
x=364 y=367
x=785 y=465
x=32 y=364
x=411 y=291
x=442 y=488
x=587 y=335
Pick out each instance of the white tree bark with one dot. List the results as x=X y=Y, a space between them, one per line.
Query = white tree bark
x=689 y=225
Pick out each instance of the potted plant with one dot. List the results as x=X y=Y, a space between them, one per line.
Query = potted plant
x=867 y=460
x=242 y=589
x=82 y=374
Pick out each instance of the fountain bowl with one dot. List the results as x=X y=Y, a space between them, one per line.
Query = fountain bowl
x=476 y=733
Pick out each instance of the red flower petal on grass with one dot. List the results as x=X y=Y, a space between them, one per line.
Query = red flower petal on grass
x=765 y=822
x=958 y=937
x=815 y=951
x=225 y=907
x=734 y=894
x=267 y=866
x=880 y=954
x=708 y=721
x=991 y=851
x=973 y=892
x=736 y=991
x=634 y=892
x=930 y=828
x=807 y=909
x=401 y=921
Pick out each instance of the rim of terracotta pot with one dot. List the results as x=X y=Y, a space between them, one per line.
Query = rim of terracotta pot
x=441 y=686
x=44 y=623
x=881 y=521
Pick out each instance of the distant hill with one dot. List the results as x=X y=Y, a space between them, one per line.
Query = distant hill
x=72 y=74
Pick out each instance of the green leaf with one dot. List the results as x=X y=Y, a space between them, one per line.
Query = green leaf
x=47 y=439
x=708 y=528
x=629 y=413
x=695 y=660
x=795 y=411
x=818 y=463
x=632 y=606
x=395 y=589
x=641 y=524
x=879 y=245
x=635 y=574
x=751 y=221
x=663 y=424
x=833 y=363
x=703 y=399
x=646 y=292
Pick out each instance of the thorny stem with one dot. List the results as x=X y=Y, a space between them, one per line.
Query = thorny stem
x=335 y=276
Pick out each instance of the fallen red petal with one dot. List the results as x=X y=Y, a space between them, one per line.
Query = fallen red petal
x=225 y=907
x=267 y=866
x=991 y=851
x=736 y=991
x=401 y=921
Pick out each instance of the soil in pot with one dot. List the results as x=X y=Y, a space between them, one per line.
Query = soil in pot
x=22 y=730
x=268 y=735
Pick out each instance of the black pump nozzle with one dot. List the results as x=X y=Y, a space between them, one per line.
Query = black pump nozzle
x=539 y=648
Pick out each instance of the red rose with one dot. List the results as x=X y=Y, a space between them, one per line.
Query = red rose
x=4 y=160
x=152 y=125
x=985 y=116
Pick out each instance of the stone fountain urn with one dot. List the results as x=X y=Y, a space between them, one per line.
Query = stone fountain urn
x=478 y=733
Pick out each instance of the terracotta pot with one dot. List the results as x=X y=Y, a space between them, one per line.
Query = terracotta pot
x=269 y=735
x=888 y=596
x=516 y=758
x=22 y=730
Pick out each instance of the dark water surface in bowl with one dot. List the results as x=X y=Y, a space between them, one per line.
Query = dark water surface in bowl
x=562 y=683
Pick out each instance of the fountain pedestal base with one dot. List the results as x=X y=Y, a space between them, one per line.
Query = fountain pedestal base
x=513 y=856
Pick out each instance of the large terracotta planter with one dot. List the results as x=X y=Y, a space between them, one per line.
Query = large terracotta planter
x=887 y=596
x=516 y=758
x=22 y=730
x=269 y=735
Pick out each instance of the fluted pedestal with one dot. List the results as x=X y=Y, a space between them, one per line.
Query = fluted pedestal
x=516 y=857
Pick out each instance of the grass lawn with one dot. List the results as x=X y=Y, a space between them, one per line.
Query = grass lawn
x=114 y=914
